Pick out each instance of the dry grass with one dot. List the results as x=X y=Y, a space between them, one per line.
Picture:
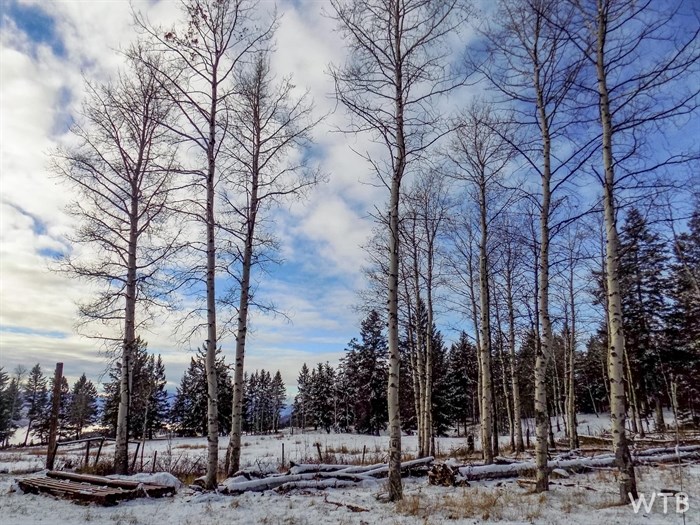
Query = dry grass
x=191 y=446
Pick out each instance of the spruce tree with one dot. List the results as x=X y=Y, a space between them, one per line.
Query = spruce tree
x=5 y=407
x=189 y=411
x=82 y=408
x=366 y=365
x=462 y=371
x=643 y=284
x=36 y=399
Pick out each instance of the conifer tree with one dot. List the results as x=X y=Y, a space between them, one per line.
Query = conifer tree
x=82 y=408
x=36 y=399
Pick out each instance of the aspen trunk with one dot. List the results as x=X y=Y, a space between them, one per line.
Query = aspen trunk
x=210 y=358
x=544 y=348
x=485 y=350
x=616 y=349
x=517 y=410
x=395 y=484
x=233 y=457
x=428 y=405
x=571 y=378
x=121 y=445
x=485 y=432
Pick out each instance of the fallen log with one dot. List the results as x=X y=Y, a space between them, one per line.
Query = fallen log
x=323 y=477
x=405 y=466
x=378 y=469
x=321 y=484
x=526 y=468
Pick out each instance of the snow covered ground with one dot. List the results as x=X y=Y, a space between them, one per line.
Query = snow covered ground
x=504 y=503
x=590 y=498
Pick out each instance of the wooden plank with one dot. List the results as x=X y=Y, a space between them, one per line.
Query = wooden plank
x=76 y=491
x=149 y=489
x=95 y=480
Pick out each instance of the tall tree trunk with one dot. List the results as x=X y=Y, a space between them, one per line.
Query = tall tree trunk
x=485 y=432
x=395 y=485
x=428 y=407
x=571 y=378
x=420 y=351
x=121 y=445
x=485 y=350
x=517 y=409
x=616 y=349
x=233 y=457
x=210 y=358
x=544 y=349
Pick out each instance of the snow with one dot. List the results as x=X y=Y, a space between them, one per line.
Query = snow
x=504 y=503
x=580 y=499
x=157 y=478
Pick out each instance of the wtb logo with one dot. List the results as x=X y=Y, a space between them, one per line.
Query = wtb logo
x=681 y=498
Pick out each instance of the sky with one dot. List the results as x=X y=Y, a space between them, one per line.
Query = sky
x=47 y=47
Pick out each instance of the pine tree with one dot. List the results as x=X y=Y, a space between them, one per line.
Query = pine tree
x=682 y=349
x=278 y=397
x=82 y=409
x=148 y=407
x=36 y=399
x=642 y=270
x=366 y=366
x=44 y=423
x=189 y=411
x=321 y=401
x=301 y=400
x=462 y=371
x=5 y=407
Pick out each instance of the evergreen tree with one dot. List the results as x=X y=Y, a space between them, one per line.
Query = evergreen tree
x=148 y=406
x=462 y=371
x=321 y=401
x=44 y=424
x=5 y=407
x=301 y=401
x=189 y=411
x=643 y=284
x=366 y=368
x=82 y=409
x=278 y=397
x=682 y=355
x=36 y=399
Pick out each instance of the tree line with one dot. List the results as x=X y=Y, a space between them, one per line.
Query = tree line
x=26 y=400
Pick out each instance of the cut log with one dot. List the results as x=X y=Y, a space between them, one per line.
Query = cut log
x=527 y=468
x=321 y=484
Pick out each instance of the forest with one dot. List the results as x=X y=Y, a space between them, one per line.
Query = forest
x=535 y=253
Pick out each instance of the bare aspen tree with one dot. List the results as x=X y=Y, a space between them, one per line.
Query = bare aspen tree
x=480 y=155
x=199 y=61
x=512 y=272
x=641 y=62
x=121 y=169
x=422 y=223
x=269 y=123
x=398 y=63
x=529 y=63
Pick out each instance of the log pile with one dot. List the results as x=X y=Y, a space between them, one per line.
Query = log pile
x=321 y=476
x=581 y=464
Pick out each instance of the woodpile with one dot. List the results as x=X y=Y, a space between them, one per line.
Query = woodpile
x=325 y=475
x=320 y=476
